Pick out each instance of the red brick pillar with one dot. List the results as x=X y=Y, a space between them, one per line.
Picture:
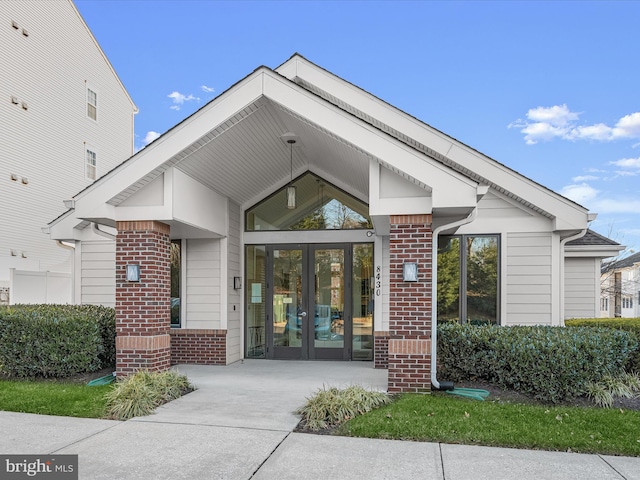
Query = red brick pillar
x=143 y=317
x=410 y=304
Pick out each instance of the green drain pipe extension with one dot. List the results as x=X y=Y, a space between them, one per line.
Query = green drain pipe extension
x=474 y=393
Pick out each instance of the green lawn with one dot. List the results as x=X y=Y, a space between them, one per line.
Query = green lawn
x=448 y=419
x=53 y=398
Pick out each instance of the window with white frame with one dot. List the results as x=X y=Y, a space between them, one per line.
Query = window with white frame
x=604 y=304
x=92 y=104
x=627 y=302
x=91 y=164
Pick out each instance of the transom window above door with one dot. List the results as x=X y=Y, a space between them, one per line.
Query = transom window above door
x=319 y=206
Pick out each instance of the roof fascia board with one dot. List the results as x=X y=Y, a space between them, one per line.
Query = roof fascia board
x=569 y=215
x=172 y=143
x=371 y=140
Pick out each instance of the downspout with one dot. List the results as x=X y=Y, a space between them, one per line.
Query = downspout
x=61 y=244
x=563 y=242
x=434 y=294
x=97 y=231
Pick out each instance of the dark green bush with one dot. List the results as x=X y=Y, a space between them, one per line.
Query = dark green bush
x=551 y=364
x=627 y=324
x=55 y=340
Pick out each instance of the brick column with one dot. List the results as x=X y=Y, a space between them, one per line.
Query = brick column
x=410 y=305
x=143 y=317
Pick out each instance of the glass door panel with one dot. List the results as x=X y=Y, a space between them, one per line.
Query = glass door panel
x=362 y=302
x=288 y=314
x=332 y=315
x=329 y=298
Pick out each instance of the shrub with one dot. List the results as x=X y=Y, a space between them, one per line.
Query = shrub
x=551 y=364
x=330 y=407
x=141 y=393
x=55 y=340
x=627 y=324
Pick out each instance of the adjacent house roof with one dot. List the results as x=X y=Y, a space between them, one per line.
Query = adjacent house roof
x=624 y=263
x=592 y=238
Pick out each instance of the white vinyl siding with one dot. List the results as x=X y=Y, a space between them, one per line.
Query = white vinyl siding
x=234 y=325
x=202 y=283
x=45 y=143
x=581 y=288
x=529 y=278
x=98 y=266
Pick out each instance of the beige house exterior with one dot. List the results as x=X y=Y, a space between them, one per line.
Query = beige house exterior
x=66 y=119
x=620 y=288
x=395 y=224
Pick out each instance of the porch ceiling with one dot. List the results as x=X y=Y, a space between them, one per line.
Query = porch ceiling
x=248 y=160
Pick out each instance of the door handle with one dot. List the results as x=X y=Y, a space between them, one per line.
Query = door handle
x=303 y=314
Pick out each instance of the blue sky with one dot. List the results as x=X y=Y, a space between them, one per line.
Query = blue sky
x=547 y=88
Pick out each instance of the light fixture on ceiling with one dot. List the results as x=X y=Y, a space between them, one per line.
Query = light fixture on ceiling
x=291 y=189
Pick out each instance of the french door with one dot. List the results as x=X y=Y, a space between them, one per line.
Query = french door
x=309 y=314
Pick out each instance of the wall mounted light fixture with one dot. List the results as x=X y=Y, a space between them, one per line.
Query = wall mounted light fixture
x=410 y=272
x=237 y=283
x=133 y=273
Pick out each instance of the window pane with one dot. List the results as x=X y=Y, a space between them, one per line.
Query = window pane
x=176 y=263
x=362 y=302
x=320 y=206
x=448 y=279
x=92 y=104
x=91 y=162
x=255 y=300
x=482 y=279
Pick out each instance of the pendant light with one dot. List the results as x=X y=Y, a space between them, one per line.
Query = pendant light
x=291 y=189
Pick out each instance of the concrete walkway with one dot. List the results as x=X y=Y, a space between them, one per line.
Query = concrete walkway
x=238 y=425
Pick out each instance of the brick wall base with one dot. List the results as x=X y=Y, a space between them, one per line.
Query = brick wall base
x=135 y=353
x=381 y=349
x=409 y=365
x=198 y=346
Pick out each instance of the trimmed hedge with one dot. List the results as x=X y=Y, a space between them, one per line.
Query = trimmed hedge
x=627 y=324
x=551 y=364
x=56 y=340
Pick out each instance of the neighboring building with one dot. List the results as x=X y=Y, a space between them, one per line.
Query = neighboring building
x=620 y=288
x=65 y=120
x=298 y=216
x=583 y=261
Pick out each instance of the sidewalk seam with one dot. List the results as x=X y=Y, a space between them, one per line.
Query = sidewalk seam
x=88 y=436
x=269 y=456
x=611 y=466
x=441 y=461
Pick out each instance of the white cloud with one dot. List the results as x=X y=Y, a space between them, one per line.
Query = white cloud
x=584 y=178
x=591 y=132
x=627 y=163
x=547 y=123
x=579 y=192
x=206 y=89
x=150 y=137
x=179 y=99
x=628 y=126
x=626 y=173
x=558 y=115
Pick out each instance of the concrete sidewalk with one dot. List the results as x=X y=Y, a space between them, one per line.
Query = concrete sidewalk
x=239 y=424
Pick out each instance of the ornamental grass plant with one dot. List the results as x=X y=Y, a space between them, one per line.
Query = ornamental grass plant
x=141 y=393
x=331 y=406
